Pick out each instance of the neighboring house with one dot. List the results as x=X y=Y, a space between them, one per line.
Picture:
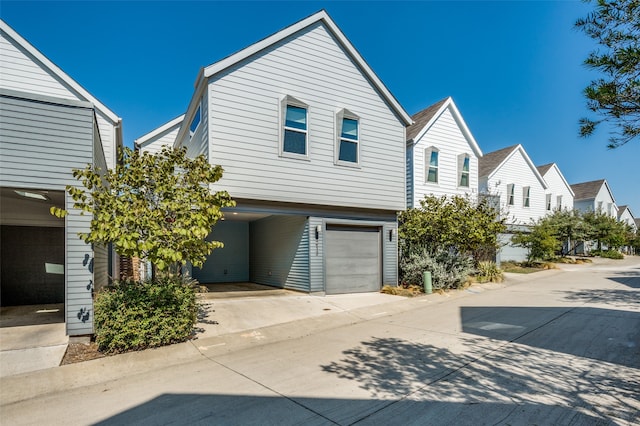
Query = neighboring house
x=49 y=125
x=313 y=148
x=559 y=195
x=442 y=154
x=626 y=216
x=509 y=175
x=164 y=135
x=595 y=196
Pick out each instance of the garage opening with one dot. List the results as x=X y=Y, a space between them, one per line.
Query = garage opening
x=32 y=248
x=353 y=259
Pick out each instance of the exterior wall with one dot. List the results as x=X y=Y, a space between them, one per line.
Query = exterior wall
x=557 y=187
x=390 y=253
x=20 y=71
x=41 y=141
x=608 y=205
x=166 y=138
x=280 y=252
x=446 y=136
x=244 y=128
x=230 y=263
x=518 y=172
x=316 y=255
x=628 y=218
x=510 y=252
x=584 y=205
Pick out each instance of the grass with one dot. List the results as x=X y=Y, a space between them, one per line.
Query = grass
x=518 y=268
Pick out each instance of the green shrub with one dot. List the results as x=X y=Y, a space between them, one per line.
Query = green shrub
x=608 y=254
x=133 y=315
x=488 y=271
x=447 y=270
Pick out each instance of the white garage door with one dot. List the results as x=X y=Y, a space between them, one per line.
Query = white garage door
x=353 y=261
x=510 y=252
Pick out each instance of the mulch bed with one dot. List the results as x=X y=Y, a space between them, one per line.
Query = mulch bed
x=79 y=352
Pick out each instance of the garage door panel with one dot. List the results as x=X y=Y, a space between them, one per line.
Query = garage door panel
x=352 y=260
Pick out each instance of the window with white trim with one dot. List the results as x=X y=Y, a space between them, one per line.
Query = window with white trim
x=195 y=122
x=431 y=156
x=600 y=206
x=526 y=193
x=548 y=203
x=348 y=138
x=294 y=138
x=511 y=192
x=559 y=202
x=464 y=161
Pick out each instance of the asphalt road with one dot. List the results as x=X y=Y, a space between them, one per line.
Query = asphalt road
x=560 y=349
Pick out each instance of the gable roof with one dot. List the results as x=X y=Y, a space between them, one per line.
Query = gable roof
x=589 y=190
x=80 y=91
x=139 y=142
x=424 y=119
x=319 y=17
x=543 y=170
x=491 y=162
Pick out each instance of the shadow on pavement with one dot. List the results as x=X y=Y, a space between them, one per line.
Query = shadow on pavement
x=195 y=409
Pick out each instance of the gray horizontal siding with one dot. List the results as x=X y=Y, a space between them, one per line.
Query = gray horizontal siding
x=280 y=252
x=230 y=263
x=316 y=255
x=390 y=254
x=40 y=143
x=244 y=128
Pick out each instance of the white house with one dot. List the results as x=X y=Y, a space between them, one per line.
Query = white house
x=625 y=215
x=313 y=147
x=559 y=195
x=594 y=196
x=442 y=154
x=163 y=136
x=509 y=175
x=49 y=125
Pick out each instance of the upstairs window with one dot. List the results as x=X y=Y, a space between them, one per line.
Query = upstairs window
x=548 y=202
x=431 y=161
x=559 y=202
x=195 y=122
x=463 y=173
x=526 y=192
x=348 y=140
x=295 y=126
x=600 y=206
x=511 y=192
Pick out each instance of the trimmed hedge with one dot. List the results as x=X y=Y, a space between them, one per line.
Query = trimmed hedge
x=132 y=315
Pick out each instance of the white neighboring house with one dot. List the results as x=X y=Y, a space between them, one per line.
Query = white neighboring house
x=626 y=216
x=510 y=175
x=559 y=195
x=49 y=126
x=313 y=148
x=595 y=196
x=442 y=154
x=157 y=139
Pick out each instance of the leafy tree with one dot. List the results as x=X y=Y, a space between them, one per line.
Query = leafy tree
x=568 y=226
x=444 y=223
x=615 y=25
x=541 y=241
x=156 y=207
x=605 y=230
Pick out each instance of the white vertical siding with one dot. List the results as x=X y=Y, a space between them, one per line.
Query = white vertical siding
x=517 y=171
x=244 y=129
x=445 y=135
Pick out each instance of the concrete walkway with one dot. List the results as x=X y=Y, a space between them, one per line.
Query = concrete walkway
x=559 y=348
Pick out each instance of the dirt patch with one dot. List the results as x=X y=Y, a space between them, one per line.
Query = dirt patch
x=79 y=352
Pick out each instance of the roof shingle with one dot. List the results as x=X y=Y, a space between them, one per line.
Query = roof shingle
x=587 y=190
x=420 y=119
x=544 y=169
x=489 y=162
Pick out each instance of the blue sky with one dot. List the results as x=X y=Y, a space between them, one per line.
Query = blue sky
x=513 y=68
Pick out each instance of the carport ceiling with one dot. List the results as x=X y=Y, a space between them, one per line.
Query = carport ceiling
x=18 y=210
x=244 y=217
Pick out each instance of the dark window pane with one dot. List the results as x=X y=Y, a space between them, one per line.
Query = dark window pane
x=296 y=117
x=195 y=122
x=295 y=142
x=464 y=179
x=433 y=175
x=348 y=151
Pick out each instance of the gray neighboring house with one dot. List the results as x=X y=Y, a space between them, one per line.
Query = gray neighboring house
x=595 y=196
x=313 y=148
x=49 y=124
